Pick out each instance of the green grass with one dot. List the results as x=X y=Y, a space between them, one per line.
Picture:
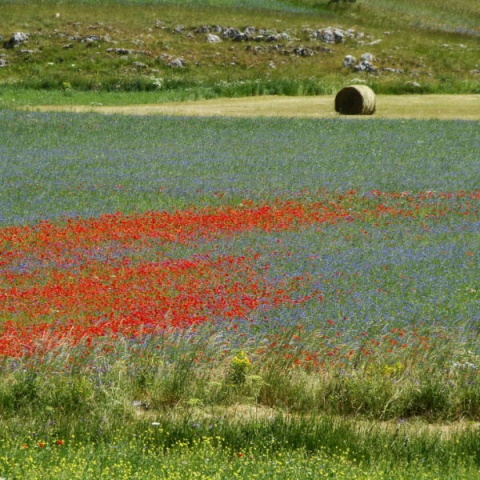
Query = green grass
x=459 y=17
x=82 y=422
x=435 y=46
x=127 y=458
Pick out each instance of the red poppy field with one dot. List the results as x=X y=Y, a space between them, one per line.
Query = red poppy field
x=80 y=280
x=182 y=293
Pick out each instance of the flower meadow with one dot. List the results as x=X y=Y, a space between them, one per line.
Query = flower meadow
x=84 y=279
x=240 y=297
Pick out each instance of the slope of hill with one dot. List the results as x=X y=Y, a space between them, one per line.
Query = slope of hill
x=204 y=49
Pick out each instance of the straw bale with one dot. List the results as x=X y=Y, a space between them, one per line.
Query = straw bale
x=355 y=100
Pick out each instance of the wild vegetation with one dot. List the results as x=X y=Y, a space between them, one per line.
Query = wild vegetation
x=217 y=298
x=306 y=305
x=161 y=47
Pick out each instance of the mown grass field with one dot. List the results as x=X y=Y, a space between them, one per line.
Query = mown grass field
x=418 y=107
x=198 y=296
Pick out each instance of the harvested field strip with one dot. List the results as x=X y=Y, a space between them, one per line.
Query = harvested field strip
x=466 y=107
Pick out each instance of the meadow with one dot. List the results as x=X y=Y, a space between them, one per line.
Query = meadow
x=238 y=298
x=214 y=297
x=106 y=50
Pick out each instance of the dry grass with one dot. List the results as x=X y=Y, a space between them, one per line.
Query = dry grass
x=466 y=107
x=247 y=413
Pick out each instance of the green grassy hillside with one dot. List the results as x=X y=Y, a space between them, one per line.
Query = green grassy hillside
x=445 y=15
x=162 y=46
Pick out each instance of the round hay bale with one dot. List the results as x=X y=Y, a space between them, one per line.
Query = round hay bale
x=355 y=100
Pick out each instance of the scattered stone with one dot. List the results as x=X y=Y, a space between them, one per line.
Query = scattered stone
x=366 y=57
x=274 y=37
x=178 y=63
x=68 y=46
x=212 y=38
x=365 y=66
x=3 y=63
x=16 y=39
x=475 y=71
x=333 y=35
x=91 y=39
x=241 y=37
x=272 y=65
x=119 y=51
x=231 y=33
x=139 y=65
x=302 y=51
x=339 y=36
x=26 y=52
x=327 y=35
x=126 y=51
x=179 y=29
x=278 y=37
x=203 y=29
x=248 y=34
x=349 y=61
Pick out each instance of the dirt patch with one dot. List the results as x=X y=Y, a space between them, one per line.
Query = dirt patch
x=444 y=107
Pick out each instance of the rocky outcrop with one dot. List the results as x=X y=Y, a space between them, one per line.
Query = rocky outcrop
x=364 y=65
x=16 y=39
x=172 y=61
x=349 y=61
x=212 y=38
x=178 y=62
x=299 y=50
x=126 y=51
x=334 y=35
